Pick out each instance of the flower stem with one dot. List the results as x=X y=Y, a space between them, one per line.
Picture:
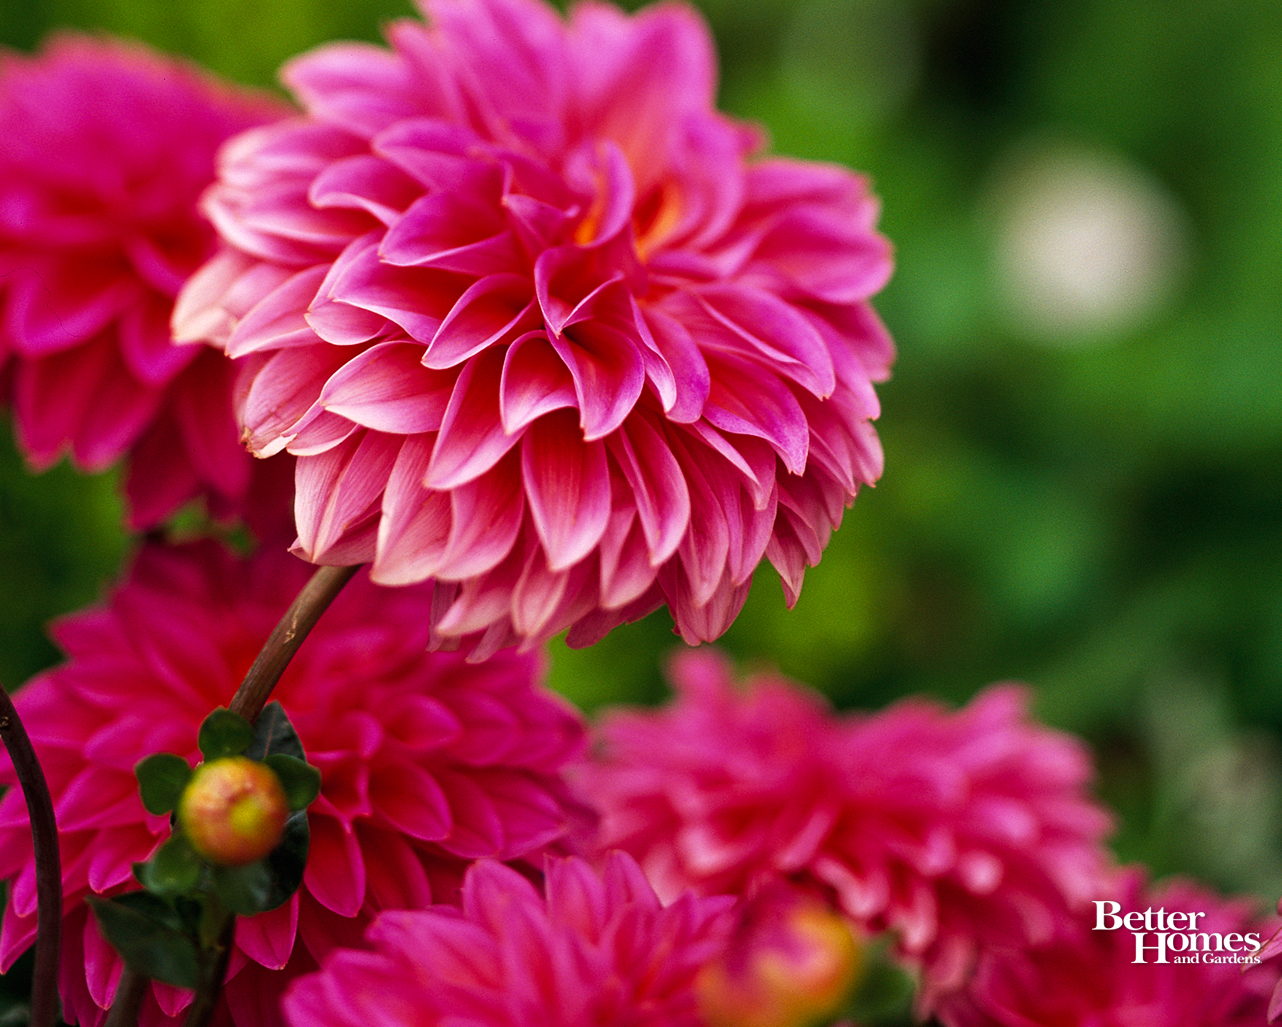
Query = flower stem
x=127 y=1001
x=284 y=641
x=206 y=998
x=44 y=837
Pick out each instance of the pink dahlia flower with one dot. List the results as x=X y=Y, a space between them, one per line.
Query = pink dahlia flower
x=1084 y=976
x=106 y=150
x=427 y=761
x=540 y=327
x=596 y=950
x=951 y=830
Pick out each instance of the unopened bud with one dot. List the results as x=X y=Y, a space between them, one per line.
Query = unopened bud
x=233 y=810
x=791 y=962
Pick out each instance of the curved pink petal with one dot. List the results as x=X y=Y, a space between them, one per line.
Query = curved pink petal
x=364 y=182
x=608 y=374
x=746 y=403
x=495 y=309
x=387 y=388
x=338 y=488
x=658 y=485
x=472 y=438
x=278 y=320
x=535 y=381
x=567 y=483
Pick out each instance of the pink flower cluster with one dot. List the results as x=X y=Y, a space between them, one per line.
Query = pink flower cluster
x=538 y=328
x=954 y=831
x=106 y=150
x=427 y=762
x=595 y=949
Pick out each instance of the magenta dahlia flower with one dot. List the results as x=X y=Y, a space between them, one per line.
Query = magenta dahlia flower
x=596 y=950
x=107 y=147
x=427 y=761
x=540 y=327
x=951 y=830
x=1087 y=976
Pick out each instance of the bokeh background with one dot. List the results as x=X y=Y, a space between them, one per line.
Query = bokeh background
x=1083 y=436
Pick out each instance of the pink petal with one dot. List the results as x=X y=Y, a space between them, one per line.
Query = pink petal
x=415 y=525
x=640 y=76
x=364 y=182
x=608 y=373
x=337 y=489
x=743 y=401
x=471 y=439
x=453 y=231
x=417 y=299
x=412 y=800
x=535 y=381
x=658 y=485
x=567 y=483
x=486 y=517
x=357 y=85
x=335 y=874
x=674 y=365
x=277 y=320
x=387 y=388
x=494 y=309
x=777 y=331
x=146 y=346
x=280 y=394
x=268 y=938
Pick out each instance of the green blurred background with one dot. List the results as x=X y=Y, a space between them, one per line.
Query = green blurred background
x=1083 y=436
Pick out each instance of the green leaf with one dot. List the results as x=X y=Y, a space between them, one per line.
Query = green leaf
x=145 y=930
x=301 y=781
x=174 y=870
x=224 y=733
x=161 y=780
x=245 y=889
x=274 y=733
x=288 y=860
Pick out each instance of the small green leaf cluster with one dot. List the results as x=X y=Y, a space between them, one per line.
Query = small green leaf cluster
x=173 y=930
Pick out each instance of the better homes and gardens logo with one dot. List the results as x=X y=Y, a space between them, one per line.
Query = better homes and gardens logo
x=1173 y=937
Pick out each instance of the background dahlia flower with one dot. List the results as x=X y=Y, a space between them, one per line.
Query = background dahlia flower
x=1085 y=976
x=107 y=147
x=596 y=950
x=539 y=326
x=427 y=761
x=949 y=829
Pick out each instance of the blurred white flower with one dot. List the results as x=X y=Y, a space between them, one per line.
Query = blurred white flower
x=1087 y=245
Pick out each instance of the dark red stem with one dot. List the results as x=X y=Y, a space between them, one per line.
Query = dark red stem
x=284 y=641
x=44 y=837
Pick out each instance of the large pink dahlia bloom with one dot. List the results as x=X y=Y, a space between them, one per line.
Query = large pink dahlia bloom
x=427 y=761
x=595 y=950
x=539 y=327
x=951 y=830
x=107 y=147
x=1090 y=978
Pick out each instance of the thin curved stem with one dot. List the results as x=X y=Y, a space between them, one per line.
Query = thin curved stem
x=44 y=837
x=288 y=635
x=127 y=1001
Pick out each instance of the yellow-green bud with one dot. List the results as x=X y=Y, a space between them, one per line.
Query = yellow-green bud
x=233 y=810
x=791 y=962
